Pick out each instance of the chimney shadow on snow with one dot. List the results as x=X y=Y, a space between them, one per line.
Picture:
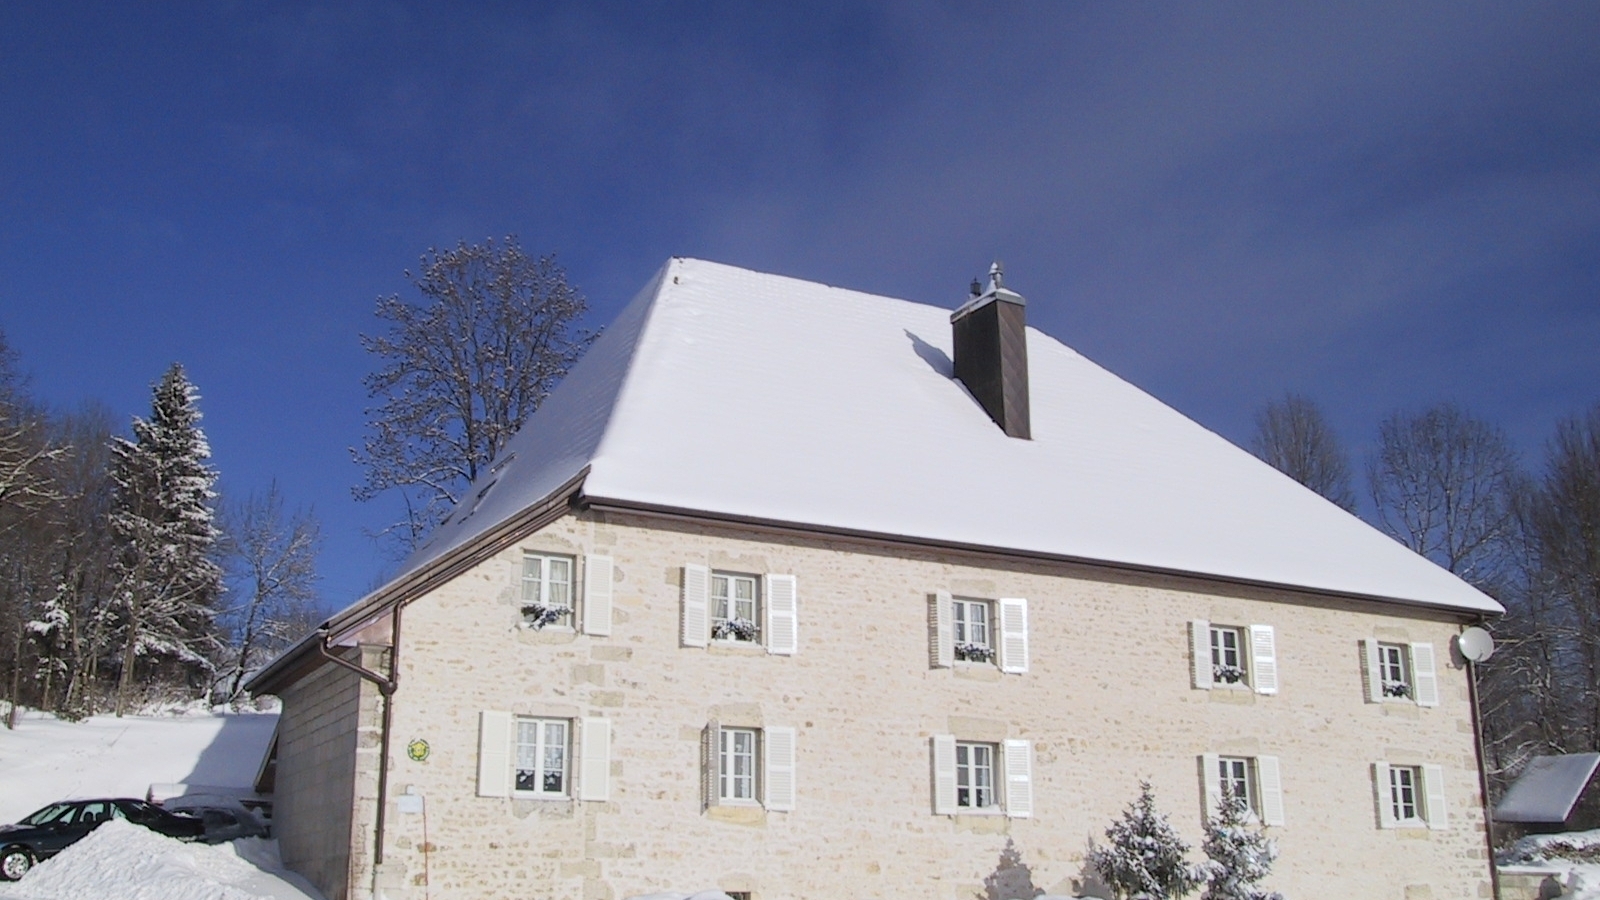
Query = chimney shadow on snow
x=933 y=356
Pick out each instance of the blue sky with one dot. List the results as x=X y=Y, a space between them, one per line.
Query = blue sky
x=1379 y=205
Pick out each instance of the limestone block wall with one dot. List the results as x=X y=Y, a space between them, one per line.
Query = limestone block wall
x=321 y=750
x=1107 y=701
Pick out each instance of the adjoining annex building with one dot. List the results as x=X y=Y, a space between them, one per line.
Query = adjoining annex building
x=801 y=592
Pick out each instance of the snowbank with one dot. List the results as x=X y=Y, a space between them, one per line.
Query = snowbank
x=1571 y=858
x=123 y=860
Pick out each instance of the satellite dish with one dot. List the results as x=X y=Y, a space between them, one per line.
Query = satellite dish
x=1475 y=644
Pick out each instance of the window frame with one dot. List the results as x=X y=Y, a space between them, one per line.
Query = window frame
x=1249 y=778
x=965 y=771
x=1418 y=802
x=726 y=752
x=728 y=603
x=1242 y=651
x=540 y=749
x=1396 y=658
x=541 y=586
x=965 y=648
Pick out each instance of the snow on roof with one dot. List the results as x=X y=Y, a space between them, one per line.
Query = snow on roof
x=1547 y=789
x=736 y=393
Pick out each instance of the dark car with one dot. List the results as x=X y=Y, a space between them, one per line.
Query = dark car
x=60 y=825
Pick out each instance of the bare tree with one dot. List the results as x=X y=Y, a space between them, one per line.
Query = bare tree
x=272 y=563
x=1293 y=437
x=1442 y=484
x=461 y=369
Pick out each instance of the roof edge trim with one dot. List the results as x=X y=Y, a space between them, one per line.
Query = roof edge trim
x=607 y=504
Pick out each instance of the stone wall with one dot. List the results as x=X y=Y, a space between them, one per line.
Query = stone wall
x=1107 y=701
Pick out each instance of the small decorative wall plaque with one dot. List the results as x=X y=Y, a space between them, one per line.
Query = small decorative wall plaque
x=418 y=750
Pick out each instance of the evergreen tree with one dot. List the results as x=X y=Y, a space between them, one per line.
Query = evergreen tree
x=163 y=520
x=1239 y=856
x=1145 y=859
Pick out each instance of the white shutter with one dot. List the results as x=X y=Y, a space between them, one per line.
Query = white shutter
x=494 y=753
x=1264 y=659
x=1425 y=681
x=1200 y=652
x=778 y=788
x=597 y=574
x=783 y=635
x=944 y=774
x=1019 y=778
x=1270 y=781
x=1380 y=785
x=1013 y=635
x=941 y=636
x=710 y=755
x=1371 y=673
x=1211 y=777
x=594 y=778
x=1433 y=790
x=696 y=625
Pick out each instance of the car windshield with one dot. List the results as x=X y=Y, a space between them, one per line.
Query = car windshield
x=55 y=812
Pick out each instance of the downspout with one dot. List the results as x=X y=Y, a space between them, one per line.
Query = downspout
x=386 y=687
x=1483 y=774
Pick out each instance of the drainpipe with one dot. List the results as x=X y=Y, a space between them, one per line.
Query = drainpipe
x=386 y=687
x=1483 y=774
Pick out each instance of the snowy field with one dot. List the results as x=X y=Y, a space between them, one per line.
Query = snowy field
x=45 y=760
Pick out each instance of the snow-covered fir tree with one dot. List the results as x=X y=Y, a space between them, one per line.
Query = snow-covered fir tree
x=1239 y=856
x=1144 y=859
x=162 y=517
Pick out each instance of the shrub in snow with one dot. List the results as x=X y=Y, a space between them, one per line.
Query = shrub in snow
x=1145 y=857
x=1238 y=856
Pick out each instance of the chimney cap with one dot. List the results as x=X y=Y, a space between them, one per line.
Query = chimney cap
x=996 y=291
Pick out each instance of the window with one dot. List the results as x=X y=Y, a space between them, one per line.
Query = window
x=982 y=776
x=541 y=766
x=1227 y=654
x=736 y=766
x=964 y=629
x=747 y=766
x=1404 y=805
x=1410 y=796
x=1395 y=671
x=734 y=608
x=727 y=608
x=546 y=590
x=1243 y=655
x=1236 y=778
x=974 y=775
x=1258 y=780
x=970 y=621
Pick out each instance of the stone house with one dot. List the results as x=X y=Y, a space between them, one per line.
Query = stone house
x=801 y=592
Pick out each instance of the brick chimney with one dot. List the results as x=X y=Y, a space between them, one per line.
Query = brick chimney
x=991 y=341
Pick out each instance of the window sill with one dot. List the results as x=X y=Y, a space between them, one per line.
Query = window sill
x=736 y=648
x=738 y=814
x=541 y=798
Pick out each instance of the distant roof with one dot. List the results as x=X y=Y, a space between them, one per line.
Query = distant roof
x=1547 y=789
x=735 y=393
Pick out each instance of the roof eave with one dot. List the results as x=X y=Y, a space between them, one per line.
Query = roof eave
x=303 y=658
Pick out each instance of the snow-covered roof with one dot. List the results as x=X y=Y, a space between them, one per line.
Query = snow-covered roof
x=740 y=394
x=1547 y=789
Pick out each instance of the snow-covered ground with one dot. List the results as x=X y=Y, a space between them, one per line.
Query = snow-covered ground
x=1570 y=859
x=45 y=760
